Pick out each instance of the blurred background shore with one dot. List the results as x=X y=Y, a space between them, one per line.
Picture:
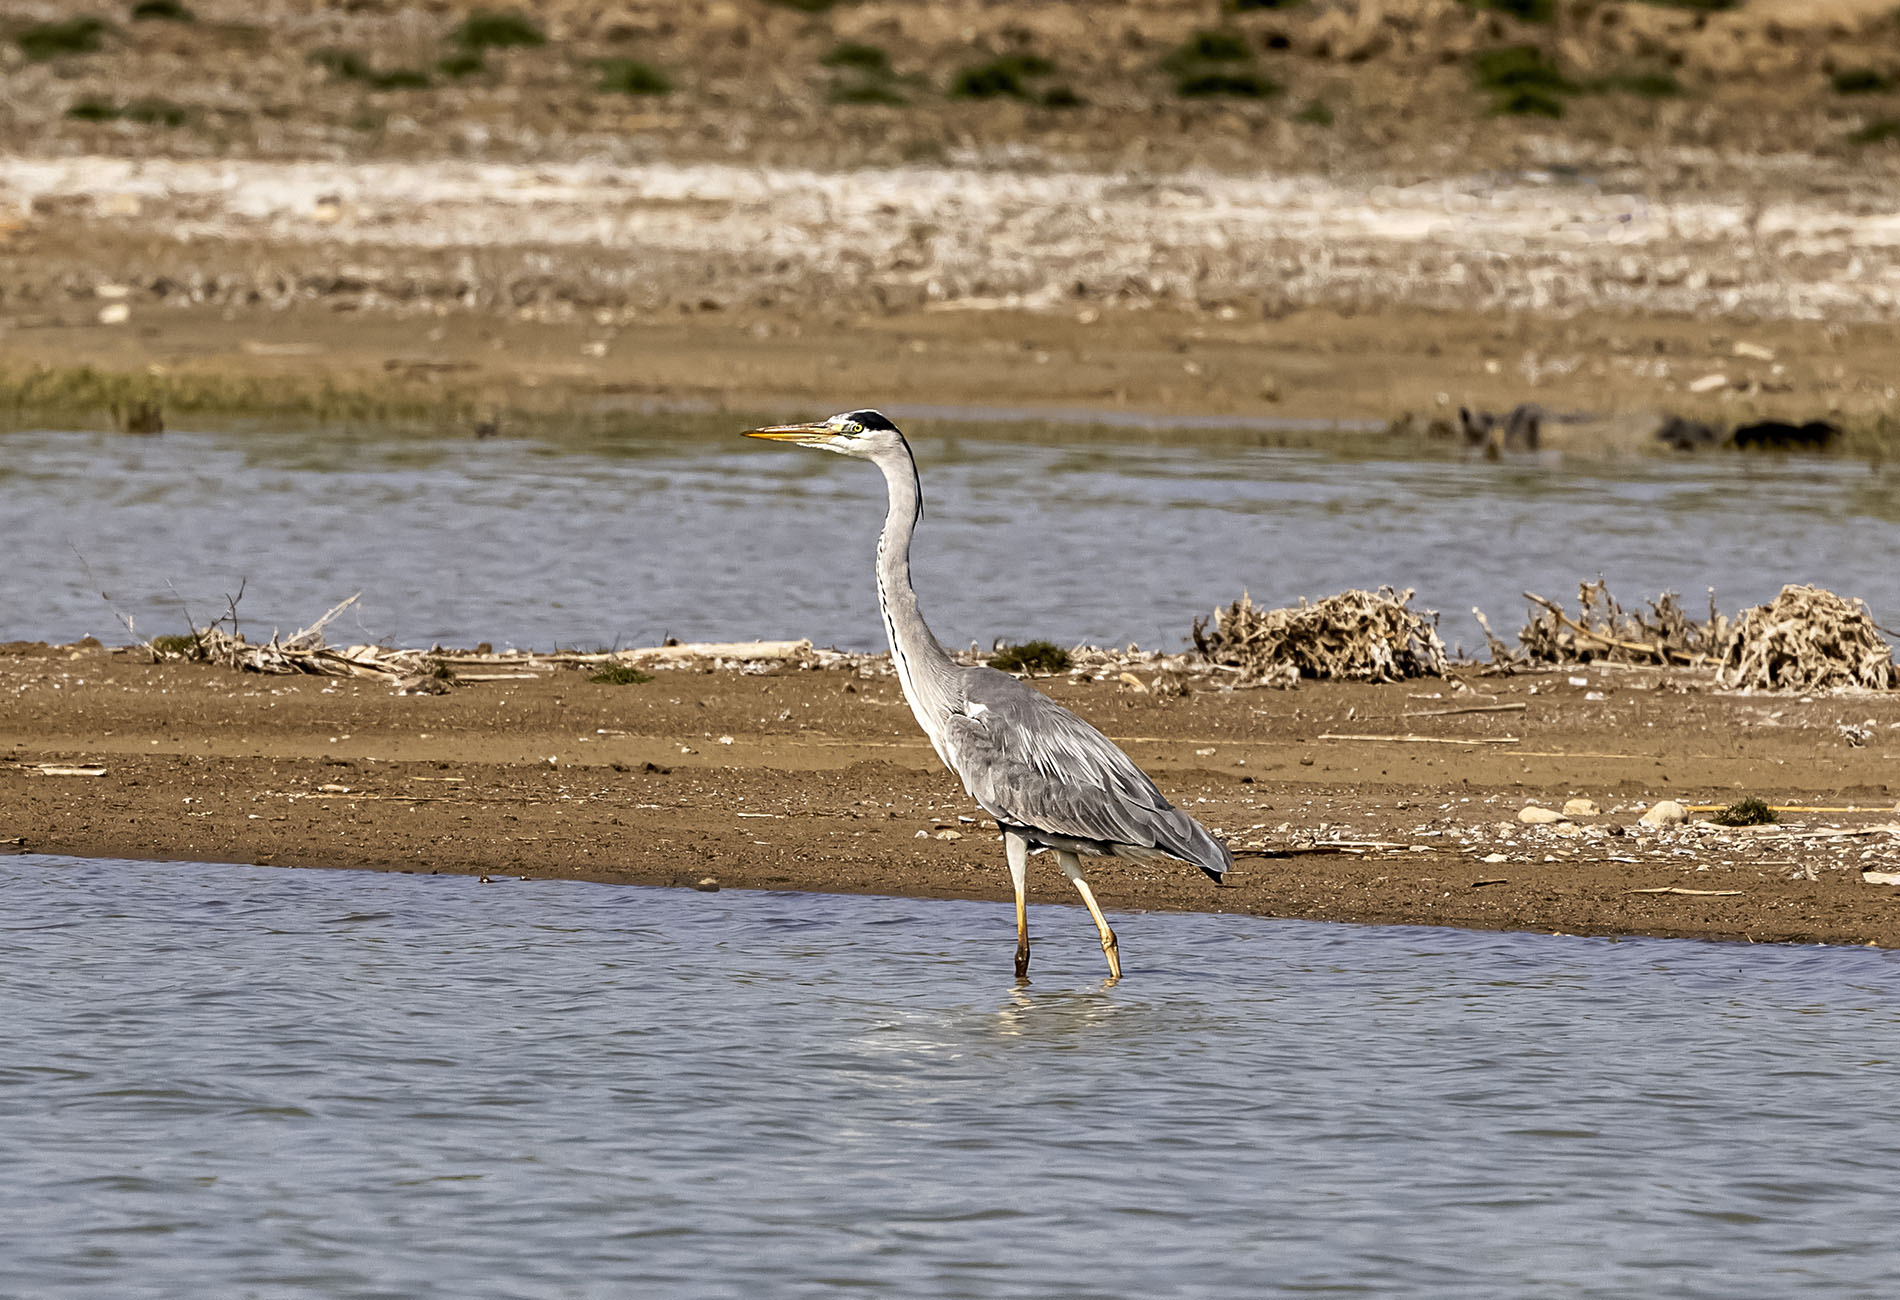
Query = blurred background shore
x=1355 y=212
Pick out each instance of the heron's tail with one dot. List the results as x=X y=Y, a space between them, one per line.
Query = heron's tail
x=1203 y=850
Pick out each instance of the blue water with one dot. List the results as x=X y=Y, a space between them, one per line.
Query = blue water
x=626 y=539
x=229 y=1082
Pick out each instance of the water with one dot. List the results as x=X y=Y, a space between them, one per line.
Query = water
x=594 y=541
x=230 y=1081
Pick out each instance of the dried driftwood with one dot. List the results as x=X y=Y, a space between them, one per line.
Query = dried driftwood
x=1604 y=632
x=1807 y=639
x=1356 y=635
x=434 y=670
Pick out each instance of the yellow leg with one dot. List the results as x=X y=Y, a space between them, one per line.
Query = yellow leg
x=1017 y=849
x=1072 y=868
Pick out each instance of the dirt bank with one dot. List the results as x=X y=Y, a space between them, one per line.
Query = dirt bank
x=817 y=779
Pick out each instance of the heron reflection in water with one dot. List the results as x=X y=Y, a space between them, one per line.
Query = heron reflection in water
x=1049 y=779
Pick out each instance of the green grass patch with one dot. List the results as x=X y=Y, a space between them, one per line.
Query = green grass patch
x=859 y=56
x=1254 y=6
x=1745 y=812
x=462 y=63
x=1879 y=131
x=1530 y=11
x=1202 y=48
x=162 y=11
x=1237 y=85
x=155 y=112
x=92 y=109
x=146 y=112
x=1650 y=84
x=1316 y=113
x=1007 y=77
x=1861 y=81
x=1211 y=64
x=1035 y=657
x=868 y=91
x=631 y=77
x=348 y=65
x=497 y=29
x=807 y=6
x=1061 y=96
x=1521 y=80
x=184 y=645
x=45 y=41
x=620 y=675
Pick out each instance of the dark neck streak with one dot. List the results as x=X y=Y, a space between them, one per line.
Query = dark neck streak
x=925 y=672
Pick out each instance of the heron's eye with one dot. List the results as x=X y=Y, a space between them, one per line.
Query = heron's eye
x=854 y=428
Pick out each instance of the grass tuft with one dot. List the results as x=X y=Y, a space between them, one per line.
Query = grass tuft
x=871 y=91
x=1879 y=131
x=1530 y=11
x=1033 y=657
x=184 y=645
x=348 y=65
x=146 y=112
x=620 y=675
x=462 y=63
x=858 y=55
x=1522 y=81
x=1745 y=812
x=1861 y=81
x=1005 y=77
x=491 y=29
x=51 y=40
x=1204 y=48
x=91 y=109
x=1650 y=84
x=1238 y=85
x=631 y=77
x=1316 y=113
x=164 y=11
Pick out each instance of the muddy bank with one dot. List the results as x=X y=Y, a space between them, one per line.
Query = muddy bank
x=817 y=779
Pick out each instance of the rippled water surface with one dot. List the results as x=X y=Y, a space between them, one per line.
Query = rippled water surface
x=228 y=1081
x=625 y=539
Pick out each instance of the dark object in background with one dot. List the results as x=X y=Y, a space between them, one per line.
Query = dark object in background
x=1517 y=431
x=1680 y=434
x=1779 y=435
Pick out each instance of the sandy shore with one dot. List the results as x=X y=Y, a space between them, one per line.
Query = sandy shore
x=816 y=779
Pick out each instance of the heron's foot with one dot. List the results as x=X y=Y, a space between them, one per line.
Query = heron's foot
x=1022 y=961
x=1112 y=951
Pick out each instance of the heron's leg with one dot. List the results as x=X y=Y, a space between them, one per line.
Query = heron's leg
x=1018 y=850
x=1072 y=868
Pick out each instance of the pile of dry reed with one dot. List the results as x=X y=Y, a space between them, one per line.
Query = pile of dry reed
x=1356 y=636
x=1807 y=639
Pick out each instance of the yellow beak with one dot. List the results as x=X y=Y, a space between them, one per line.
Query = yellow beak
x=791 y=432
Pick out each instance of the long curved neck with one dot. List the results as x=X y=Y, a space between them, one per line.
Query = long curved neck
x=925 y=672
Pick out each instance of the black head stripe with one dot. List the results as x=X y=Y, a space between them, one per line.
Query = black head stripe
x=873 y=420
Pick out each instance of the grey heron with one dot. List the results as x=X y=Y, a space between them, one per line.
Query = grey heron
x=1049 y=779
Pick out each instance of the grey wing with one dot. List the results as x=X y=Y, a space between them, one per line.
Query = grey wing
x=1033 y=764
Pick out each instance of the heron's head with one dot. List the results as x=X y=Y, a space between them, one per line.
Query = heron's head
x=864 y=434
